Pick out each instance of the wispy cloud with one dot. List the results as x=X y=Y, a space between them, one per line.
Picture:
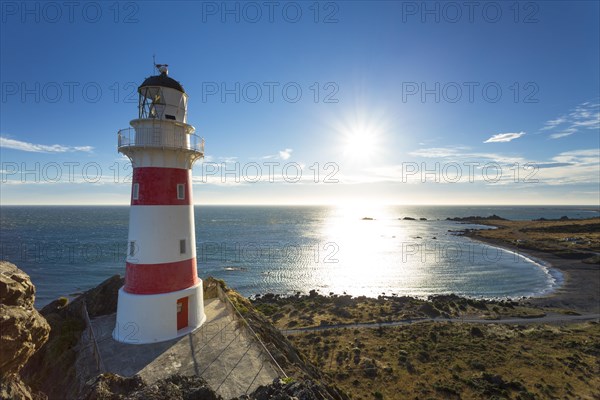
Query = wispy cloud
x=565 y=132
x=504 y=137
x=41 y=148
x=584 y=116
x=553 y=123
x=281 y=155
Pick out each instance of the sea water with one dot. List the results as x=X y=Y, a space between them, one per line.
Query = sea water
x=259 y=249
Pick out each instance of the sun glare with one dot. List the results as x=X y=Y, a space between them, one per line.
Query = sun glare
x=361 y=137
x=360 y=145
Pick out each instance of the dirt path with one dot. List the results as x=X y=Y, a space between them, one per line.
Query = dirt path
x=550 y=318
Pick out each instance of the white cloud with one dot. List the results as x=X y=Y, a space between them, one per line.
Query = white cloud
x=553 y=123
x=281 y=155
x=584 y=116
x=504 y=137
x=566 y=132
x=41 y=148
x=285 y=154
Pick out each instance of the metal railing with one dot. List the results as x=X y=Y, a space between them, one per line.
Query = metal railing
x=92 y=337
x=166 y=136
x=222 y=295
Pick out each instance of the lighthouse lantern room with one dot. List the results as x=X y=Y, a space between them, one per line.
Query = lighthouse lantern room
x=162 y=295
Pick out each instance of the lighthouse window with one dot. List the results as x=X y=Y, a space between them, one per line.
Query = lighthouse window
x=167 y=116
x=181 y=191
x=182 y=246
x=136 y=191
x=131 y=248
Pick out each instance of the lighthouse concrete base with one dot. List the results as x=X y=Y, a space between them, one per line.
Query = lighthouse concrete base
x=151 y=318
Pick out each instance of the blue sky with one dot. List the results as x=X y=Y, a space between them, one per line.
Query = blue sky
x=392 y=102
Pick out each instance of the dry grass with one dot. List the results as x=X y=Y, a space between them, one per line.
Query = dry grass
x=558 y=237
x=446 y=360
x=317 y=310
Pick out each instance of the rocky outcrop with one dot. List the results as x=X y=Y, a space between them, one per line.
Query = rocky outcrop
x=301 y=390
x=22 y=330
x=52 y=369
x=176 y=387
x=492 y=217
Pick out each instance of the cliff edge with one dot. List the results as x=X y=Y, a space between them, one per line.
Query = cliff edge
x=23 y=331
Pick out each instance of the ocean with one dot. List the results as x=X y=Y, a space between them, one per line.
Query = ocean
x=288 y=249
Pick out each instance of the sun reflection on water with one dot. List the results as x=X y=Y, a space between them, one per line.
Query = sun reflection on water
x=367 y=240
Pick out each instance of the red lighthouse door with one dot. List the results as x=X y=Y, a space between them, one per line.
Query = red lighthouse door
x=182 y=313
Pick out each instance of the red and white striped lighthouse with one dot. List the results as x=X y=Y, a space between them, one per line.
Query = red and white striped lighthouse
x=162 y=295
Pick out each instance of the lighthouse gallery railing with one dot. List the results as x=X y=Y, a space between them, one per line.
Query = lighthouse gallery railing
x=175 y=138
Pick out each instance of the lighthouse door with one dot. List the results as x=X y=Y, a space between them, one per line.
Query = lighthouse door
x=182 y=313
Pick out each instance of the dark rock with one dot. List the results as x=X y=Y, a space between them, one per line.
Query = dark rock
x=408 y=219
x=474 y=218
x=111 y=386
x=301 y=390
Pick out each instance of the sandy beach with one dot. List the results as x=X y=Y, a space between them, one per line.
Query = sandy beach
x=580 y=290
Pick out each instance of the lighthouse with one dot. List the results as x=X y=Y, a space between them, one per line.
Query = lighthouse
x=162 y=295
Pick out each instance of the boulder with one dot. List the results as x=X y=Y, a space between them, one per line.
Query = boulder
x=23 y=330
x=16 y=288
x=112 y=386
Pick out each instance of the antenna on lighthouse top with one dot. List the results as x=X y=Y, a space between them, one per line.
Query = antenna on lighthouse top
x=162 y=68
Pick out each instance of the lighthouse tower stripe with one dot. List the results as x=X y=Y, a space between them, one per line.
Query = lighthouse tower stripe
x=161 y=217
x=160 y=278
x=159 y=186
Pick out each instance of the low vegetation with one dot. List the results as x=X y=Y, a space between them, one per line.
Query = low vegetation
x=567 y=238
x=457 y=360
x=301 y=311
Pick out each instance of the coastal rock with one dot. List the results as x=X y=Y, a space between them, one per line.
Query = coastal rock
x=112 y=386
x=493 y=217
x=52 y=369
x=101 y=300
x=16 y=288
x=22 y=330
x=301 y=390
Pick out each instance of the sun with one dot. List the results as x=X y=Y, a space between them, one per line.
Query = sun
x=360 y=145
x=361 y=142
